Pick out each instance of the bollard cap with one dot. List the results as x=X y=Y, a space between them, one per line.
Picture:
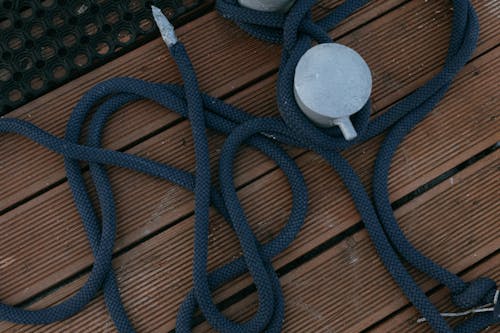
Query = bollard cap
x=332 y=82
x=267 y=5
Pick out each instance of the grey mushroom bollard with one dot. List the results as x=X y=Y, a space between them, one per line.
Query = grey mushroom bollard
x=332 y=82
x=267 y=5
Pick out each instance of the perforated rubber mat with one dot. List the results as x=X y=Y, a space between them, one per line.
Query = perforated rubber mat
x=48 y=42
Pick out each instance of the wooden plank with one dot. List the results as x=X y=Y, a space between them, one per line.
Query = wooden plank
x=230 y=61
x=248 y=99
x=406 y=321
x=139 y=201
x=164 y=208
x=49 y=167
x=395 y=78
x=343 y=289
x=346 y=288
x=146 y=205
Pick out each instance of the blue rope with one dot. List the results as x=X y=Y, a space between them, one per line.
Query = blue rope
x=295 y=31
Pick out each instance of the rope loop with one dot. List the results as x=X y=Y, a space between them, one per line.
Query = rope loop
x=299 y=31
x=478 y=292
x=296 y=31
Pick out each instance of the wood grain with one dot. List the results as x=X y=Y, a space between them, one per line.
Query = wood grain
x=345 y=288
x=406 y=321
x=43 y=242
x=239 y=60
x=228 y=63
x=456 y=130
x=141 y=215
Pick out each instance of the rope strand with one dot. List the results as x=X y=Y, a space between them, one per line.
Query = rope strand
x=296 y=31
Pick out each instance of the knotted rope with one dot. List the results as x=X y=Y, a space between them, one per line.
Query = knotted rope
x=295 y=30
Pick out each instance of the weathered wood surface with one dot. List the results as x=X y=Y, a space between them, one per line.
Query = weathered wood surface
x=343 y=287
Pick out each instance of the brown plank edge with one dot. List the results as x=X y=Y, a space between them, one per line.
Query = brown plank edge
x=346 y=288
x=264 y=199
x=230 y=61
x=406 y=321
x=392 y=79
x=69 y=242
x=343 y=289
x=49 y=257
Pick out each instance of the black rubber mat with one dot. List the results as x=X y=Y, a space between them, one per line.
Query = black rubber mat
x=48 y=42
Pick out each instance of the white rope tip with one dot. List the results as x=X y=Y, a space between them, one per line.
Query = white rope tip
x=482 y=309
x=485 y=308
x=166 y=28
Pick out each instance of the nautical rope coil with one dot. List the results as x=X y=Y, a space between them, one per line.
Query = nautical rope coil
x=296 y=31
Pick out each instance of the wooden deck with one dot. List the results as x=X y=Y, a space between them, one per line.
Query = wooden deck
x=444 y=183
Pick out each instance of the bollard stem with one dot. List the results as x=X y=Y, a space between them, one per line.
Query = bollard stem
x=346 y=127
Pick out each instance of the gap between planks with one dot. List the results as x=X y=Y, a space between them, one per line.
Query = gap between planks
x=406 y=320
x=245 y=54
x=72 y=249
x=354 y=288
x=346 y=288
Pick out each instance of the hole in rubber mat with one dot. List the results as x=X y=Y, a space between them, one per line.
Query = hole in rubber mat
x=57 y=40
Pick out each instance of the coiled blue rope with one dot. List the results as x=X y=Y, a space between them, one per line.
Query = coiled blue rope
x=295 y=31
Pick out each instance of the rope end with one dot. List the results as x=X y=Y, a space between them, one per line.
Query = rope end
x=166 y=28
x=492 y=307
